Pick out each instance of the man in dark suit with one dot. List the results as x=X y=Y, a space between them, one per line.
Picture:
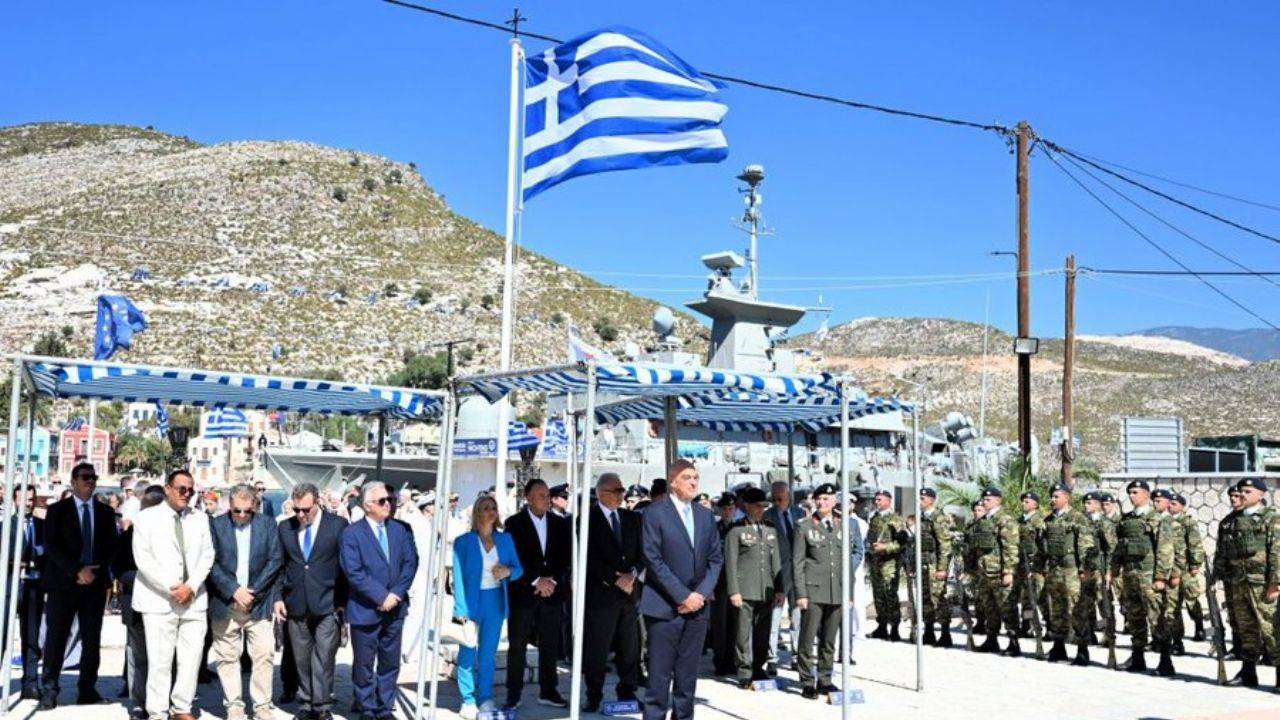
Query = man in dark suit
x=610 y=620
x=80 y=544
x=543 y=543
x=784 y=516
x=312 y=592
x=30 y=593
x=125 y=569
x=242 y=586
x=683 y=559
x=380 y=559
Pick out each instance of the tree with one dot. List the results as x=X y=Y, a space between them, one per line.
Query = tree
x=605 y=329
x=330 y=374
x=532 y=417
x=67 y=332
x=340 y=194
x=422 y=295
x=487 y=300
x=51 y=345
x=142 y=452
x=391 y=289
x=430 y=372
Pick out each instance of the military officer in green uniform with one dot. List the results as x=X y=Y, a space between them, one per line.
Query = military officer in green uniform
x=1094 y=603
x=992 y=559
x=977 y=510
x=816 y=553
x=1067 y=547
x=885 y=535
x=935 y=532
x=1248 y=558
x=1228 y=585
x=753 y=573
x=1144 y=560
x=1162 y=501
x=1024 y=600
x=1192 y=586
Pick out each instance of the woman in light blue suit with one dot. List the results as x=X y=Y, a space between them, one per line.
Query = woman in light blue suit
x=484 y=562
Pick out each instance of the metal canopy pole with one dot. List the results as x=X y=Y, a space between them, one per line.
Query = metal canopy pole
x=846 y=608
x=669 y=429
x=19 y=536
x=584 y=528
x=15 y=405
x=919 y=581
x=436 y=562
x=444 y=489
x=382 y=441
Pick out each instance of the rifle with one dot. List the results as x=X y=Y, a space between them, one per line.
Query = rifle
x=1218 y=642
x=962 y=599
x=1035 y=609
x=1109 y=596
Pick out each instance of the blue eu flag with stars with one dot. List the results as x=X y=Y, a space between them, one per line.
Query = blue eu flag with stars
x=118 y=320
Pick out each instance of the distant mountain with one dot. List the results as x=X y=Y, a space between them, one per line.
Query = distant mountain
x=1255 y=344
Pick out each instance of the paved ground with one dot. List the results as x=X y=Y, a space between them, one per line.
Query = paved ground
x=957 y=685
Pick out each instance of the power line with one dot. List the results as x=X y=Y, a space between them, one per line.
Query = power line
x=1155 y=244
x=1179 y=273
x=1189 y=186
x=1194 y=208
x=771 y=87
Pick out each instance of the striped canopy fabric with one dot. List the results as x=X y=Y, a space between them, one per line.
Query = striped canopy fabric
x=750 y=412
x=225 y=423
x=644 y=379
x=216 y=389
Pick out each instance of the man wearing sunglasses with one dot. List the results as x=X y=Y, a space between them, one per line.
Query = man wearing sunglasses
x=174 y=553
x=80 y=537
x=242 y=583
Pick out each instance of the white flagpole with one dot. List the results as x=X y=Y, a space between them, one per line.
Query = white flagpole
x=514 y=191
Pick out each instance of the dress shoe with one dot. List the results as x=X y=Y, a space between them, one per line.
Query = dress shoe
x=1247 y=677
x=552 y=699
x=744 y=683
x=771 y=670
x=88 y=697
x=287 y=698
x=321 y=715
x=825 y=688
x=809 y=692
x=138 y=714
x=590 y=706
x=30 y=693
x=880 y=633
x=48 y=701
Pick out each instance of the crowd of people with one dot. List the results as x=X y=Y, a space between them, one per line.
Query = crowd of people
x=671 y=574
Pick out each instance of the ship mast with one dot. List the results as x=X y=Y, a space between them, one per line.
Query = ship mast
x=752 y=175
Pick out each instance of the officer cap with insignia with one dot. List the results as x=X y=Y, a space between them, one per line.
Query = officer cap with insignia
x=1138 y=484
x=560 y=491
x=636 y=491
x=977 y=505
x=1162 y=494
x=824 y=489
x=1093 y=495
x=1233 y=490
x=1059 y=488
x=885 y=493
x=753 y=495
x=992 y=492
x=928 y=491
x=1030 y=495
x=1180 y=499
x=726 y=500
x=1256 y=483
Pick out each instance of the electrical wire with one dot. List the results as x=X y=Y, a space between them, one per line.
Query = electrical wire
x=1189 y=186
x=1179 y=273
x=1155 y=244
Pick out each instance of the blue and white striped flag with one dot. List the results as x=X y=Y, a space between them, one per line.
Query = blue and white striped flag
x=615 y=99
x=162 y=421
x=519 y=436
x=225 y=423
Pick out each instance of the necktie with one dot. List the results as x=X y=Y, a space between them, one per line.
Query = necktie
x=382 y=541
x=826 y=525
x=786 y=523
x=86 y=535
x=182 y=544
x=617 y=529
x=306 y=543
x=688 y=522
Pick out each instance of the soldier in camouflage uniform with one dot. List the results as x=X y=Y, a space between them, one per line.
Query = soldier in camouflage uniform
x=885 y=535
x=1111 y=513
x=979 y=610
x=1162 y=501
x=1192 y=586
x=1067 y=549
x=1228 y=586
x=1144 y=559
x=992 y=558
x=1248 y=558
x=1094 y=604
x=935 y=559
x=753 y=572
x=1018 y=608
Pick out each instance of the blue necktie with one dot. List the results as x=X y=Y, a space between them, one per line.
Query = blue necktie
x=382 y=541
x=688 y=523
x=86 y=536
x=306 y=543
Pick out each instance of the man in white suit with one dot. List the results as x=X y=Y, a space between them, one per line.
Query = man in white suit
x=174 y=552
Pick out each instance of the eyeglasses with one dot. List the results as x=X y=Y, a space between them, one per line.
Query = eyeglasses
x=382 y=501
x=241 y=512
x=184 y=491
x=88 y=478
x=611 y=491
x=303 y=510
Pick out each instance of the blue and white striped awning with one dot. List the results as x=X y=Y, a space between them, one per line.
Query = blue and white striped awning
x=645 y=379
x=214 y=389
x=751 y=412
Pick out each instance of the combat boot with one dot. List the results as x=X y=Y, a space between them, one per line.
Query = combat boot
x=1178 y=648
x=1165 y=668
x=893 y=633
x=880 y=633
x=1082 y=655
x=1013 y=650
x=944 y=639
x=1137 y=662
x=1058 y=652
x=1247 y=677
x=929 y=637
x=1093 y=638
x=990 y=645
x=1199 y=634
x=1025 y=629
x=980 y=627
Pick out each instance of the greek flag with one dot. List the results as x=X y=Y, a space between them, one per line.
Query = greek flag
x=162 y=421
x=615 y=99
x=225 y=423
x=118 y=319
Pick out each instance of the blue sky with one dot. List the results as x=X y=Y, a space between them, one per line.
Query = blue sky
x=1186 y=90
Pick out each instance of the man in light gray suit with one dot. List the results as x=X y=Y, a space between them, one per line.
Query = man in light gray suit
x=784 y=517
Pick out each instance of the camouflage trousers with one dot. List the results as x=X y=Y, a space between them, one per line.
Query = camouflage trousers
x=1252 y=620
x=886 y=574
x=1016 y=607
x=1062 y=590
x=936 y=606
x=1189 y=593
x=1147 y=612
x=991 y=599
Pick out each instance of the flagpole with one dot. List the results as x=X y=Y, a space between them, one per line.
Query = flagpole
x=93 y=420
x=514 y=191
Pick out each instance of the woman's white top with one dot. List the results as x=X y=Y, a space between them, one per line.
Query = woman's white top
x=487 y=581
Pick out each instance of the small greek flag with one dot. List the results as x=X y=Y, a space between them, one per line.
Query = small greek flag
x=615 y=99
x=225 y=423
x=162 y=421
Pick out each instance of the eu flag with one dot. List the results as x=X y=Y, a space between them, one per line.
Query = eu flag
x=118 y=320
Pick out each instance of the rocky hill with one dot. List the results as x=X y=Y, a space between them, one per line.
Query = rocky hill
x=326 y=258
x=1215 y=393
x=1250 y=344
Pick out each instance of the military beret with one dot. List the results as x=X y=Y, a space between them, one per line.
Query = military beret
x=992 y=492
x=885 y=493
x=824 y=489
x=930 y=492
x=1180 y=499
x=561 y=490
x=1163 y=493
x=1094 y=496
x=726 y=500
x=1108 y=497
x=753 y=495
x=1059 y=487
x=977 y=503
x=1138 y=484
x=1255 y=483
x=1029 y=495
x=1233 y=490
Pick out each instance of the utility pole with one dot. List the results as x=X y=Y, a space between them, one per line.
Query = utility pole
x=448 y=345
x=1068 y=361
x=1024 y=139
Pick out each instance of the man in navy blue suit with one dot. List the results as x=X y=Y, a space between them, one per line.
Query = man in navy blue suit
x=380 y=560
x=683 y=558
